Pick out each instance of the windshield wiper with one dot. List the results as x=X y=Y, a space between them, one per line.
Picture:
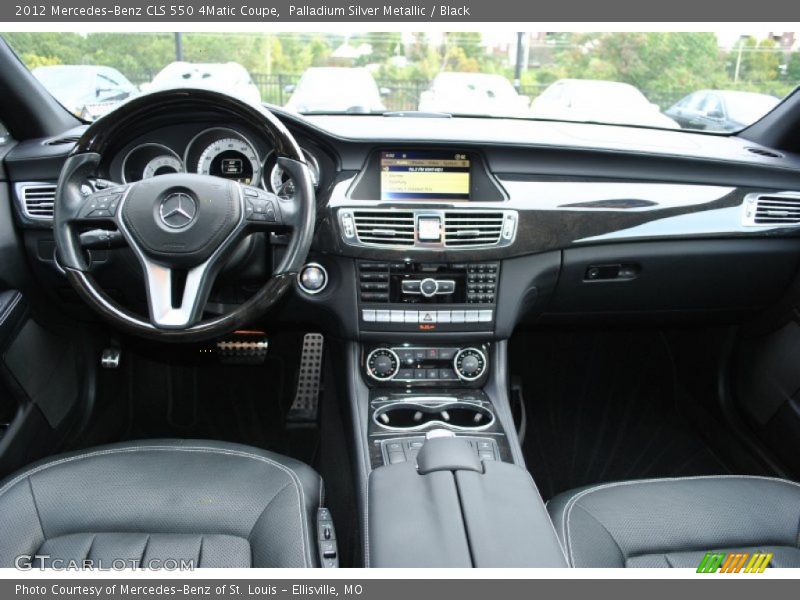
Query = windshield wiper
x=417 y=114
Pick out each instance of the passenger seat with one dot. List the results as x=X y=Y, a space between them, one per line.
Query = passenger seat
x=675 y=522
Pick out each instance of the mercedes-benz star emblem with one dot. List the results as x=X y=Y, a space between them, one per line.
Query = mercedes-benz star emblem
x=178 y=210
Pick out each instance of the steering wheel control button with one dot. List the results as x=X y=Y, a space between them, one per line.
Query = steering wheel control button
x=101 y=205
x=470 y=364
x=313 y=278
x=259 y=206
x=382 y=364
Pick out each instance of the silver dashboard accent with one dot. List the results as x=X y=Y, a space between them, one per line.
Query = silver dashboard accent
x=781 y=209
x=388 y=351
x=480 y=373
x=36 y=199
x=398 y=228
x=301 y=280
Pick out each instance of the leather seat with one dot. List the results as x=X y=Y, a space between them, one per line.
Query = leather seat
x=674 y=522
x=216 y=504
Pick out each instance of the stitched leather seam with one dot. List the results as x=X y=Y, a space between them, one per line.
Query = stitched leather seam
x=36 y=508
x=199 y=449
x=10 y=307
x=565 y=515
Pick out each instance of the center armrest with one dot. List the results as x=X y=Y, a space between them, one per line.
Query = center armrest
x=452 y=510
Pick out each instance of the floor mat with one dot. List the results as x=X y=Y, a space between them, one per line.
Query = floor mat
x=601 y=406
x=172 y=396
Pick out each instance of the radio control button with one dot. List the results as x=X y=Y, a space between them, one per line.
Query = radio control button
x=410 y=286
x=428 y=287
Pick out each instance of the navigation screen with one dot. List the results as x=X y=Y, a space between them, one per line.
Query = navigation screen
x=424 y=175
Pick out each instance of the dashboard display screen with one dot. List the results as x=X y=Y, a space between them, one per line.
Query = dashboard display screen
x=425 y=175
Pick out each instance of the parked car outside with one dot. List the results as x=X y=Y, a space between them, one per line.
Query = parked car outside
x=600 y=102
x=721 y=110
x=473 y=94
x=88 y=91
x=230 y=78
x=336 y=90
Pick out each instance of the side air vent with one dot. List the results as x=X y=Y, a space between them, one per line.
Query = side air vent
x=772 y=209
x=764 y=152
x=37 y=200
x=469 y=228
x=66 y=139
x=385 y=227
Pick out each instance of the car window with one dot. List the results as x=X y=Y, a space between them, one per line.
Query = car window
x=633 y=77
x=712 y=105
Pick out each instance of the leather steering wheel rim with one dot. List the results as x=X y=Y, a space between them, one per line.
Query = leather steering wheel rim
x=71 y=212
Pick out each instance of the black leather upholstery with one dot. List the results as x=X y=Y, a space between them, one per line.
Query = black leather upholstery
x=674 y=522
x=217 y=504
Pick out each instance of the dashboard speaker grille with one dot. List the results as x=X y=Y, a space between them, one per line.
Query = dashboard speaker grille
x=385 y=228
x=470 y=228
x=37 y=200
x=778 y=209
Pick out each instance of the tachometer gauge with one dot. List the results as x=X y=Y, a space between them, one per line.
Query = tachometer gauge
x=150 y=160
x=230 y=158
x=162 y=165
x=281 y=184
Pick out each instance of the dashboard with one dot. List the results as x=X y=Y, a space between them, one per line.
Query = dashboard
x=466 y=227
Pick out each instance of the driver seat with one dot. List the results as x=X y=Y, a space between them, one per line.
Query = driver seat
x=213 y=503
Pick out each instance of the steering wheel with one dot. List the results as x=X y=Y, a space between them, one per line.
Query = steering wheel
x=181 y=226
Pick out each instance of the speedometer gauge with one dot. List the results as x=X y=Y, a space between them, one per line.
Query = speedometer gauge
x=230 y=158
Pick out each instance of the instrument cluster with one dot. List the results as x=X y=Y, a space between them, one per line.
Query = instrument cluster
x=218 y=151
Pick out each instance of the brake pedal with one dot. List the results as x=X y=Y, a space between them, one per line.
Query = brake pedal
x=243 y=348
x=306 y=398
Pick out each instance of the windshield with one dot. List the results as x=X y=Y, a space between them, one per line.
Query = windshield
x=714 y=81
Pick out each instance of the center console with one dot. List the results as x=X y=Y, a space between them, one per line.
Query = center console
x=430 y=297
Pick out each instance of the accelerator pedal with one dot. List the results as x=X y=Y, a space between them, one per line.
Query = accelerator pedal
x=306 y=398
x=243 y=348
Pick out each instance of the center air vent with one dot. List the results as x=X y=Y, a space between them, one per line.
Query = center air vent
x=37 y=200
x=385 y=227
x=772 y=209
x=471 y=228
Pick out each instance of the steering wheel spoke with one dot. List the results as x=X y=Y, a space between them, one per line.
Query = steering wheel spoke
x=175 y=297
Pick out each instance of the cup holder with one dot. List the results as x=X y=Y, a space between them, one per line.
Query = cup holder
x=415 y=416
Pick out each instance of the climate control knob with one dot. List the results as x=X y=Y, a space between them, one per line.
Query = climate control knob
x=470 y=364
x=382 y=364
